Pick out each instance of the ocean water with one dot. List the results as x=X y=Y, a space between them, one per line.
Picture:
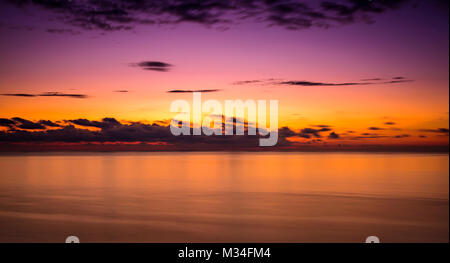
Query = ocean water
x=224 y=197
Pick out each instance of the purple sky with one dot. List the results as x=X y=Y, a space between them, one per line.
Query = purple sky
x=47 y=49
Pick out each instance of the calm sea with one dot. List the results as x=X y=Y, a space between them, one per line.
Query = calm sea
x=224 y=197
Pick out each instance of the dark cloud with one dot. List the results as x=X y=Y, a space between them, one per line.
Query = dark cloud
x=369 y=134
x=25 y=135
x=304 y=135
x=325 y=84
x=375 y=128
x=311 y=83
x=105 y=123
x=27 y=125
x=49 y=123
x=333 y=135
x=398 y=78
x=346 y=11
x=230 y=119
x=191 y=91
x=6 y=122
x=374 y=79
x=306 y=83
x=162 y=122
x=60 y=94
x=121 y=91
x=402 y=136
x=398 y=81
x=111 y=130
x=244 y=82
x=153 y=65
x=308 y=132
x=19 y=94
x=390 y=123
x=113 y=15
x=47 y=94
x=286 y=132
x=439 y=130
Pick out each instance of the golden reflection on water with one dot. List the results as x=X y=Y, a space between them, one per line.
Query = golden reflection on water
x=224 y=197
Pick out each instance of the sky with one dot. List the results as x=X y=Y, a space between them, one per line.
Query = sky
x=345 y=73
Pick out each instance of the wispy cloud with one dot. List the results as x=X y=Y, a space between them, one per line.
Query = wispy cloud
x=312 y=83
x=307 y=83
x=244 y=82
x=321 y=126
x=191 y=91
x=397 y=81
x=374 y=79
x=18 y=95
x=47 y=94
x=60 y=94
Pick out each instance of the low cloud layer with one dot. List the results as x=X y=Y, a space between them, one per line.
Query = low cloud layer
x=109 y=130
